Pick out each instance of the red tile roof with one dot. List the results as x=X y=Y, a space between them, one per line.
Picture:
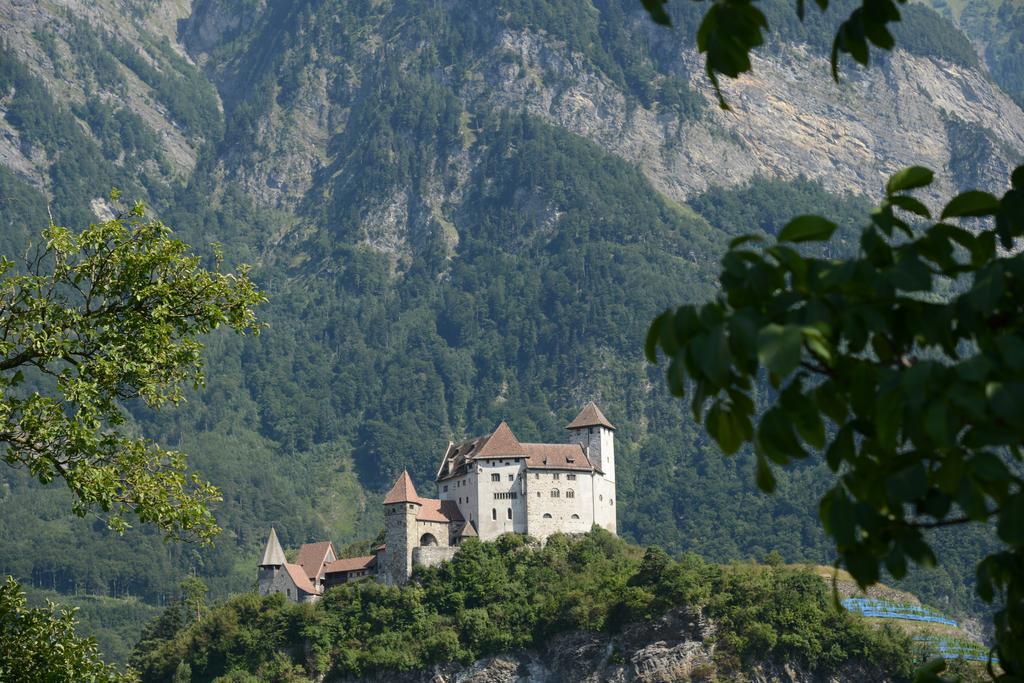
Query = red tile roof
x=502 y=443
x=434 y=510
x=299 y=578
x=556 y=456
x=351 y=564
x=590 y=416
x=313 y=556
x=403 y=491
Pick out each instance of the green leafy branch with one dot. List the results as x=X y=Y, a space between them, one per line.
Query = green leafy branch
x=92 y=319
x=915 y=399
x=731 y=29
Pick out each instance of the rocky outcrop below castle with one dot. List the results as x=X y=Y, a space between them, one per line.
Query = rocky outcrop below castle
x=676 y=647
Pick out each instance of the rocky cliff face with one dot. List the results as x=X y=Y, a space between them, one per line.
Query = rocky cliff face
x=788 y=118
x=674 y=648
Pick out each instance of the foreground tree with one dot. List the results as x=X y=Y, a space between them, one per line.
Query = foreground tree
x=97 y=318
x=89 y=321
x=40 y=644
x=915 y=397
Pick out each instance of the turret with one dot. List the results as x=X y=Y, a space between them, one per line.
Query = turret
x=596 y=434
x=272 y=563
x=401 y=507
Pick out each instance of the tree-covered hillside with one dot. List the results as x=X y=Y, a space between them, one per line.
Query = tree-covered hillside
x=438 y=256
x=512 y=595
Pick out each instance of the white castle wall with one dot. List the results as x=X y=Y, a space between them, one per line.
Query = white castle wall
x=567 y=515
x=493 y=500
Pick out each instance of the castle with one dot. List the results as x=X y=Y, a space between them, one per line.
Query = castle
x=487 y=486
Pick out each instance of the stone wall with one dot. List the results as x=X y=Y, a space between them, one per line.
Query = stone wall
x=278 y=581
x=430 y=556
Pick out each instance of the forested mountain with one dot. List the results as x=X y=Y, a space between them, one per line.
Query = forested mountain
x=461 y=212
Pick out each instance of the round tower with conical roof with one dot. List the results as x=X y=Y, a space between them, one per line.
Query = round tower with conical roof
x=401 y=506
x=271 y=565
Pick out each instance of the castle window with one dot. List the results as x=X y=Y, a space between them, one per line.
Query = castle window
x=571 y=477
x=505 y=495
x=547 y=515
x=554 y=493
x=494 y=513
x=612 y=501
x=510 y=513
x=446 y=488
x=495 y=477
x=411 y=506
x=555 y=476
x=590 y=430
x=601 y=497
x=575 y=516
x=570 y=493
x=289 y=592
x=538 y=494
x=536 y=475
x=511 y=477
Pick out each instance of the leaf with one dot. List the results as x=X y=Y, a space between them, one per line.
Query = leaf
x=841 y=449
x=778 y=348
x=776 y=437
x=908 y=203
x=764 y=477
x=971 y=203
x=656 y=9
x=1011 y=520
x=908 y=179
x=726 y=428
x=744 y=239
x=807 y=228
x=653 y=334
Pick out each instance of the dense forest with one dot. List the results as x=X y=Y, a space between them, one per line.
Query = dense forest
x=518 y=283
x=509 y=595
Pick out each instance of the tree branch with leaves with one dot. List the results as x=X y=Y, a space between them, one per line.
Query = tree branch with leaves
x=93 y=319
x=915 y=398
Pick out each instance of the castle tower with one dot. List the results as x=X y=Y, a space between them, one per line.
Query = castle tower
x=596 y=434
x=401 y=507
x=272 y=563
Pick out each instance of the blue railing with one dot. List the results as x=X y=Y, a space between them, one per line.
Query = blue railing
x=890 y=610
x=954 y=650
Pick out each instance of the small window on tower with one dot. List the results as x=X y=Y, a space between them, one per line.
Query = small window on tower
x=494 y=513
x=446 y=488
x=511 y=477
x=536 y=475
x=547 y=515
x=495 y=477
x=554 y=493
x=510 y=513
x=555 y=476
x=570 y=494
x=571 y=477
